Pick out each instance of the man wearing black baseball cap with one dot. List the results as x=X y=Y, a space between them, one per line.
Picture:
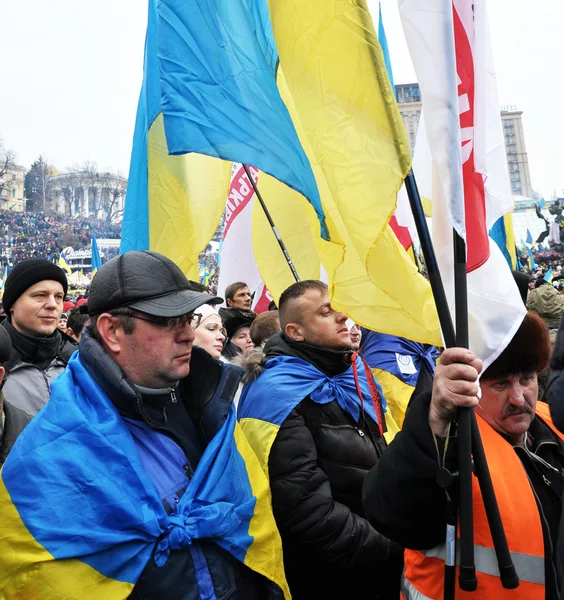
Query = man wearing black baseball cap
x=33 y=300
x=142 y=419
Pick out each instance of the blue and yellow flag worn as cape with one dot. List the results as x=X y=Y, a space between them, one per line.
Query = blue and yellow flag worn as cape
x=80 y=517
x=286 y=380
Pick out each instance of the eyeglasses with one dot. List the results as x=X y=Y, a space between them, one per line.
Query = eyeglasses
x=191 y=319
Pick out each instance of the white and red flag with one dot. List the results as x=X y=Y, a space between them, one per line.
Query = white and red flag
x=237 y=259
x=449 y=43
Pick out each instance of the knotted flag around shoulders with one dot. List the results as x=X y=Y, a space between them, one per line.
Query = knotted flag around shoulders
x=267 y=401
x=299 y=91
x=80 y=517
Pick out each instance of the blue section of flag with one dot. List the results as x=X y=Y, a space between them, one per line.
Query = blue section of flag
x=96 y=260
x=548 y=275
x=499 y=235
x=288 y=380
x=529 y=237
x=384 y=351
x=384 y=45
x=210 y=68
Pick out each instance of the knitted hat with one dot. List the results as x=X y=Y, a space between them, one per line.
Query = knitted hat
x=28 y=273
x=528 y=351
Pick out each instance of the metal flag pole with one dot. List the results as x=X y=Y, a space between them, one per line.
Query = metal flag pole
x=272 y=225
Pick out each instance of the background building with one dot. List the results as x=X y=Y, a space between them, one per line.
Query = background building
x=516 y=152
x=89 y=193
x=12 y=189
x=408 y=96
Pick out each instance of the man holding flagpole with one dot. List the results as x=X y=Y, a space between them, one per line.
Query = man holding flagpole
x=449 y=44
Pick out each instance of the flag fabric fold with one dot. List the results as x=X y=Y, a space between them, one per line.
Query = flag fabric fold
x=299 y=91
x=450 y=47
x=73 y=544
x=287 y=380
x=64 y=264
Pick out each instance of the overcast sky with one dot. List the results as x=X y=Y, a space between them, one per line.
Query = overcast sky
x=71 y=73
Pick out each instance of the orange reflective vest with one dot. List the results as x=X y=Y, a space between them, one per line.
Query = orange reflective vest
x=424 y=570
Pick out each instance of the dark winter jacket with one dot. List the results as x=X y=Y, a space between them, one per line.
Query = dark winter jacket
x=35 y=361
x=402 y=499
x=554 y=395
x=15 y=421
x=190 y=414
x=317 y=465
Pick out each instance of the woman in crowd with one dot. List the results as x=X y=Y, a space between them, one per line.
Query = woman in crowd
x=210 y=333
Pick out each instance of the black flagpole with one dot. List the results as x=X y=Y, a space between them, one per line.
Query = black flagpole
x=272 y=225
x=467 y=575
x=467 y=425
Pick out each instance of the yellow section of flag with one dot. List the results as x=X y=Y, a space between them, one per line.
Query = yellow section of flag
x=334 y=82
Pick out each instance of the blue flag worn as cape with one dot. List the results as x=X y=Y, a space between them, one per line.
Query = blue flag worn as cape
x=267 y=401
x=80 y=517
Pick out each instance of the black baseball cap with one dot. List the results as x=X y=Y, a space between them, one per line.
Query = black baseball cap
x=145 y=281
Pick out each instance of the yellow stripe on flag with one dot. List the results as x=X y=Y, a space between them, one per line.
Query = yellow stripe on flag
x=30 y=572
x=265 y=553
x=334 y=83
x=187 y=198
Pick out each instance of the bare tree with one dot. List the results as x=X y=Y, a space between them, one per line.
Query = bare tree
x=7 y=166
x=114 y=187
x=73 y=189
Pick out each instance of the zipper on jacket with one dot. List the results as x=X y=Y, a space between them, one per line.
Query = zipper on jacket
x=157 y=427
x=552 y=556
x=201 y=415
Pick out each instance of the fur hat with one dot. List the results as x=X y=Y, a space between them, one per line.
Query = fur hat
x=528 y=351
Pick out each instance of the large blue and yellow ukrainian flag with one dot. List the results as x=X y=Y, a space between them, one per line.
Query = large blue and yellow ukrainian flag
x=300 y=91
x=80 y=517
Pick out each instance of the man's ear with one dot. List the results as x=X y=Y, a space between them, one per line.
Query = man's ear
x=294 y=332
x=111 y=332
x=229 y=302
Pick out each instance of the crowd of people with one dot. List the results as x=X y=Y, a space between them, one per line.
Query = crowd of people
x=180 y=450
x=26 y=235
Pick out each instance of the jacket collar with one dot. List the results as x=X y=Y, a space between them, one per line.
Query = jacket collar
x=40 y=349
x=540 y=433
x=200 y=384
x=329 y=361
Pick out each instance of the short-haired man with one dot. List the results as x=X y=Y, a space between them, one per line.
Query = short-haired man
x=146 y=486
x=525 y=455
x=12 y=419
x=315 y=422
x=33 y=300
x=238 y=295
